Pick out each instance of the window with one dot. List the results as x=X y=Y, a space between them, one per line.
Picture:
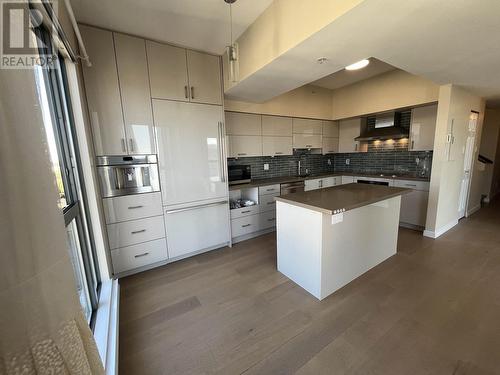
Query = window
x=63 y=153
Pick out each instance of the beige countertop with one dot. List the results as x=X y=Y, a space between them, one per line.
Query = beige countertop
x=283 y=180
x=342 y=198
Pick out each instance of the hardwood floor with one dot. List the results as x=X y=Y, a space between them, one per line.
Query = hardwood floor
x=434 y=308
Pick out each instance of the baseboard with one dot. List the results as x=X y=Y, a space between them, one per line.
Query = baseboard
x=440 y=231
x=473 y=209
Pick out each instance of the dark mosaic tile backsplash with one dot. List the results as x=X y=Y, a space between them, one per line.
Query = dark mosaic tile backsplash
x=394 y=161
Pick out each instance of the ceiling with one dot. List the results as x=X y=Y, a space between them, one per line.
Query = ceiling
x=197 y=24
x=453 y=42
x=347 y=77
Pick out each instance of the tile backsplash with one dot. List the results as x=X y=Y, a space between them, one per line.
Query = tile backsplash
x=372 y=162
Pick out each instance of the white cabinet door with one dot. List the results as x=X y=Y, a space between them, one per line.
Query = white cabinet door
x=135 y=231
x=267 y=202
x=103 y=93
x=244 y=146
x=348 y=130
x=330 y=145
x=307 y=126
x=276 y=126
x=196 y=228
x=132 y=207
x=331 y=129
x=267 y=220
x=204 y=78
x=135 y=94
x=347 y=180
x=276 y=146
x=243 y=123
x=190 y=154
x=307 y=141
x=245 y=225
x=312 y=184
x=167 y=71
x=414 y=208
x=423 y=128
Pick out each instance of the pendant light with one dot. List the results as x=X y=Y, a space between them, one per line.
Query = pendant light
x=232 y=48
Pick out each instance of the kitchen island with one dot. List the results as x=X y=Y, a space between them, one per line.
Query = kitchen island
x=326 y=238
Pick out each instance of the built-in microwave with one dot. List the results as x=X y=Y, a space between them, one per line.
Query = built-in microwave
x=239 y=174
x=125 y=175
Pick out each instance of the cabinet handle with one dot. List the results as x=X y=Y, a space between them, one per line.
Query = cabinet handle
x=141 y=255
x=186 y=95
x=356 y=147
x=241 y=153
x=412 y=145
x=222 y=166
x=131 y=141
x=308 y=146
x=192 y=92
x=124 y=146
x=278 y=153
x=245 y=212
x=272 y=189
x=411 y=185
x=270 y=202
x=135 y=207
x=271 y=219
x=138 y=231
x=246 y=225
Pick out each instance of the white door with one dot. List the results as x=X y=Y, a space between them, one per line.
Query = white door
x=190 y=152
x=196 y=228
x=468 y=162
x=103 y=93
x=204 y=78
x=136 y=98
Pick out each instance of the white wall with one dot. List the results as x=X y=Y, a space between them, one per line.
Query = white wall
x=455 y=106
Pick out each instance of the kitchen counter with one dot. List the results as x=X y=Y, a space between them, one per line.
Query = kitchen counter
x=284 y=180
x=342 y=198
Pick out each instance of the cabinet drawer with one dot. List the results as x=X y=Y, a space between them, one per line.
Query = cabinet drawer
x=312 y=184
x=244 y=211
x=347 y=180
x=415 y=185
x=267 y=202
x=244 y=146
x=267 y=220
x=269 y=189
x=328 y=182
x=132 y=207
x=245 y=225
x=307 y=141
x=135 y=231
x=131 y=257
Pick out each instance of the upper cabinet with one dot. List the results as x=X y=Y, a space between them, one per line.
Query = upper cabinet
x=168 y=73
x=180 y=74
x=348 y=130
x=243 y=124
x=331 y=129
x=118 y=94
x=103 y=93
x=276 y=126
x=307 y=126
x=423 y=128
x=135 y=94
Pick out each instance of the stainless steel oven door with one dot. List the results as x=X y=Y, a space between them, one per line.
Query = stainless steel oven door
x=116 y=180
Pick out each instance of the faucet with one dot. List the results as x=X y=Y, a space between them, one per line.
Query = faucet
x=298 y=168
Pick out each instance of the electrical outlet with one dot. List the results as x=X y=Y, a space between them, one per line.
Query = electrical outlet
x=329 y=161
x=347 y=161
x=266 y=166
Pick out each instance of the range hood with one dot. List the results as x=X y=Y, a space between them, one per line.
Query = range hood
x=387 y=126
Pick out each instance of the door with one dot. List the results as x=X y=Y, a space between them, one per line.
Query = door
x=103 y=93
x=135 y=94
x=468 y=163
x=190 y=151
x=204 y=78
x=197 y=228
x=167 y=71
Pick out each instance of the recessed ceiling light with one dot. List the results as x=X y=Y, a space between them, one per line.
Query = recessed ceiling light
x=358 y=65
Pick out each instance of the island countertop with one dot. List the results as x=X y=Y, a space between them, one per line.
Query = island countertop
x=342 y=198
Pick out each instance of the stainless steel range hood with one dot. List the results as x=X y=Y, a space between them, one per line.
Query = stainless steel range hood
x=387 y=126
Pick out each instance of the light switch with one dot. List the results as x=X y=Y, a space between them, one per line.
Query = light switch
x=266 y=166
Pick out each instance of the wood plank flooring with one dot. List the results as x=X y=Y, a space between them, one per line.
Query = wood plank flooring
x=433 y=308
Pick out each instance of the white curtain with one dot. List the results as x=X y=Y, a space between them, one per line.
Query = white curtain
x=42 y=327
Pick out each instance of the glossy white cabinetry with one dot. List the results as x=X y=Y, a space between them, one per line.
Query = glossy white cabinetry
x=190 y=154
x=277 y=126
x=330 y=145
x=244 y=211
x=103 y=93
x=204 y=78
x=414 y=204
x=244 y=145
x=307 y=126
x=269 y=189
x=243 y=123
x=307 y=141
x=412 y=184
x=136 y=231
x=347 y=180
x=167 y=71
x=267 y=220
x=245 y=225
x=135 y=93
x=193 y=229
x=132 y=207
x=312 y=184
x=423 y=128
x=330 y=129
x=267 y=202
x=348 y=131
x=277 y=146
x=140 y=255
